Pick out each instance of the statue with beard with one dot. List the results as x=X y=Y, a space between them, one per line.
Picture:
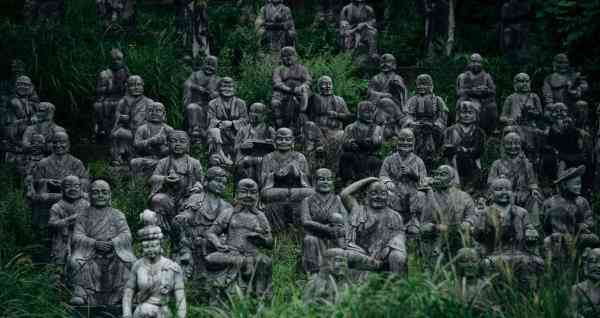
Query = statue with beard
x=275 y=25
x=110 y=89
x=358 y=29
x=198 y=90
x=585 y=296
x=564 y=85
x=388 y=84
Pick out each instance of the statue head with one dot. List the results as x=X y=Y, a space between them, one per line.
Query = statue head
x=60 y=143
x=424 y=84
x=156 y=113
x=561 y=64
x=150 y=235
x=406 y=141
x=377 y=195
x=210 y=65
x=324 y=181
x=117 y=58
x=71 y=188
x=45 y=112
x=37 y=143
x=591 y=264
x=247 y=193
x=511 y=145
x=388 y=63
x=502 y=192
x=100 y=195
x=179 y=143
x=23 y=86
x=135 y=85
x=366 y=112
x=325 y=86
x=284 y=139
x=569 y=181
x=468 y=112
x=226 y=87
x=468 y=262
x=559 y=111
x=443 y=177
x=475 y=63
x=288 y=56
x=256 y=113
x=216 y=180
x=522 y=83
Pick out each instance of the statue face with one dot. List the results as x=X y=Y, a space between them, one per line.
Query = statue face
x=424 y=85
x=522 y=83
x=512 y=145
x=255 y=115
x=501 y=192
x=288 y=58
x=151 y=249
x=324 y=181
x=377 y=195
x=156 y=114
x=591 y=266
x=366 y=114
x=573 y=185
x=100 y=194
x=135 y=86
x=43 y=114
x=468 y=265
x=388 y=65
x=217 y=184
x=247 y=194
x=71 y=188
x=178 y=144
x=467 y=116
x=284 y=141
x=560 y=112
x=442 y=177
x=60 y=144
x=226 y=89
x=406 y=142
x=326 y=87
x=338 y=265
x=23 y=87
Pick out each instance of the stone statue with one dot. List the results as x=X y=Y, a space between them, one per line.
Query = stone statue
x=110 y=88
x=36 y=154
x=358 y=28
x=285 y=181
x=325 y=222
x=154 y=280
x=361 y=142
x=129 y=116
x=514 y=27
x=402 y=173
x=388 y=84
x=102 y=254
x=328 y=285
x=291 y=89
x=237 y=234
x=477 y=85
x=116 y=12
x=567 y=217
x=197 y=214
x=390 y=116
x=523 y=109
x=42 y=125
x=514 y=165
x=464 y=144
x=192 y=25
x=564 y=85
x=427 y=117
x=376 y=239
x=585 y=296
x=43 y=11
x=199 y=89
x=150 y=141
x=63 y=216
x=473 y=289
x=275 y=25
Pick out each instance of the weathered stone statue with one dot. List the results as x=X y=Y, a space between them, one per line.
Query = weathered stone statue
x=327 y=11
x=464 y=144
x=245 y=229
x=514 y=25
x=329 y=283
x=110 y=88
x=427 y=117
x=275 y=25
x=477 y=85
x=129 y=116
x=150 y=141
x=564 y=85
x=567 y=218
x=291 y=89
x=42 y=125
x=116 y=12
x=285 y=181
x=447 y=216
x=473 y=289
x=376 y=240
x=585 y=296
x=514 y=165
x=154 y=280
x=43 y=11
x=199 y=89
x=192 y=25
x=63 y=215
x=325 y=221
x=36 y=154
x=390 y=116
x=198 y=213
x=20 y=110
x=102 y=254
x=388 y=84
x=358 y=28
x=362 y=140
x=402 y=173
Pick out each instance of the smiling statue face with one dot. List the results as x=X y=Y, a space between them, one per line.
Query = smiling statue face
x=324 y=181
x=151 y=249
x=100 y=194
x=377 y=195
x=247 y=193
x=217 y=180
x=156 y=113
x=71 y=188
x=226 y=87
x=406 y=141
x=135 y=86
x=522 y=83
x=467 y=114
x=512 y=145
x=23 y=86
x=573 y=185
x=502 y=191
x=442 y=177
x=178 y=143
x=284 y=140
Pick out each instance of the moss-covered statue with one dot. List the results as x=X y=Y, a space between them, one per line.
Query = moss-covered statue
x=275 y=25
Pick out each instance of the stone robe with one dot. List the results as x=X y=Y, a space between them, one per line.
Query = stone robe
x=405 y=185
x=466 y=82
x=198 y=90
x=525 y=112
x=123 y=129
x=428 y=117
x=319 y=107
x=567 y=216
x=148 y=152
x=564 y=88
x=62 y=230
x=502 y=234
x=188 y=169
x=391 y=83
x=46 y=129
x=522 y=175
x=290 y=109
x=276 y=24
x=235 y=111
x=350 y=17
x=19 y=113
x=99 y=278
x=362 y=162
x=463 y=148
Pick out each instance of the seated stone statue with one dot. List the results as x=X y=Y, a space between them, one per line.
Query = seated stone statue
x=362 y=140
x=129 y=116
x=325 y=222
x=102 y=254
x=388 y=84
x=237 y=234
x=358 y=27
x=44 y=125
x=275 y=25
x=585 y=296
x=20 y=111
x=199 y=89
x=564 y=85
x=285 y=181
x=154 y=280
x=427 y=117
x=150 y=141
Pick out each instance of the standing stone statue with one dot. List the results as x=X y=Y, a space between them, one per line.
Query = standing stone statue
x=43 y=11
x=154 y=280
x=325 y=222
x=20 y=110
x=427 y=117
x=514 y=28
x=110 y=88
x=192 y=25
x=403 y=172
x=275 y=25
x=477 y=85
x=63 y=216
x=116 y=12
x=388 y=84
x=564 y=85
x=198 y=90
x=102 y=253
x=464 y=144
x=285 y=181
x=238 y=261
x=150 y=141
x=362 y=140
x=129 y=116
x=585 y=296
x=291 y=89
x=358 y=28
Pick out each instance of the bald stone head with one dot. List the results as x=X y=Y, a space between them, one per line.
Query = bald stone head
x=100 y=194
x=324 y=181
x=284 y=139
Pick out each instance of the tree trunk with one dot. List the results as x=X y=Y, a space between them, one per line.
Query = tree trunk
x=451 y=28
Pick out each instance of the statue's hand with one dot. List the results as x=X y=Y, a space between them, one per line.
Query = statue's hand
x=103 y=246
